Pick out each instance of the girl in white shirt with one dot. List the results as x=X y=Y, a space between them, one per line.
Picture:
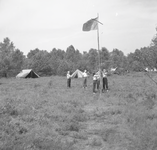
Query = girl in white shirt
x=94 y=82
x=85 y=79
x=68 y=79
x=104 y=81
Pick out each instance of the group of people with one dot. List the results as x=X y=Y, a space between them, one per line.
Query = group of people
x=85 y=75
x=96 y=80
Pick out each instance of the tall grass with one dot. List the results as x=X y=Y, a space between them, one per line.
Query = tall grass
x=43 y=114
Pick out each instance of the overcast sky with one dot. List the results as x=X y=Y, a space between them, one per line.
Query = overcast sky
x=47 y=24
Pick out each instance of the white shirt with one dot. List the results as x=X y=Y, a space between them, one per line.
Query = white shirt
x=95 y=77
x=104 y=74
x=68 y=76
x=85 y=74
x=98 y=76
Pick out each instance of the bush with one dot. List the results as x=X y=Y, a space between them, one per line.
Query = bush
x=144 y=131
x=95 y=141
x=50 y=144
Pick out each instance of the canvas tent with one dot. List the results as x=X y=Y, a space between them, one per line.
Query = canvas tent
x=27 y=73
x=77 y=74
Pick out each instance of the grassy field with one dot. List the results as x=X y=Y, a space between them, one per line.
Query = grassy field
x=43 y=114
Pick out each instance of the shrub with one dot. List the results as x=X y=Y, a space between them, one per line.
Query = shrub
x=73 y=126
x=50 y=144
x=144 y=131
x=95 y=141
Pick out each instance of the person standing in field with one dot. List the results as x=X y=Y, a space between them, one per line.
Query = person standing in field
x=104 y=81
x=85 y=79
x=94 y=82
x=68 y=79
x=98 y=80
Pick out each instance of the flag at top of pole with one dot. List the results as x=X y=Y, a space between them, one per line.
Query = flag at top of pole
x=91 y=24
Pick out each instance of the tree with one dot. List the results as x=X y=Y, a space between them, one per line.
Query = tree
x=93 y=61
x=6 y=49
x=17 y=60
x=29 y=61
x=57 y=54
x=135 y=61
x=63 y=67
x=148 y=57
x=117 y=58
x=70 y=53
x=55 y=58
x=154 y=40
x=11 y=59
x=153 y=51
x=77 y=56
x=73 y=57
x=82 y=65
x=104 y=55
x=150 y=53
x=40 y=62
x=32 y=53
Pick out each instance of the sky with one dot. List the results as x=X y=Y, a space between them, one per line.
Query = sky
x=46 y=24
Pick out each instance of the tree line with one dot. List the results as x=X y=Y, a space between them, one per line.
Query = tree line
x=58 y=62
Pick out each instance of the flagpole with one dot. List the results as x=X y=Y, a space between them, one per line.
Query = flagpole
x=93 y=24
x=99 y=51
x=98 y=41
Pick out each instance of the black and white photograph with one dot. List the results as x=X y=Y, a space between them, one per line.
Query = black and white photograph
x=78 y=74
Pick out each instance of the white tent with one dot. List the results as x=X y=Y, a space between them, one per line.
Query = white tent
x=27 y=73
x=77 y=74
